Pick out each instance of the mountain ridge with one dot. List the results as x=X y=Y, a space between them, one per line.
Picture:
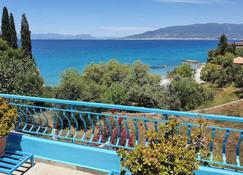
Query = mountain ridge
x=193 y=31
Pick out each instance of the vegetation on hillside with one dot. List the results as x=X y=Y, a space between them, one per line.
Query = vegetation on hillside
x=113 y=82
x=220 y=69
x=118 y=83
x=18 y=70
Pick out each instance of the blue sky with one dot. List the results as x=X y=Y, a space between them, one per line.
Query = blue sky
x=120 y=17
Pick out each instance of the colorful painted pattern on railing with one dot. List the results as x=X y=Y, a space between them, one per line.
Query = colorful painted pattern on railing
x=116 y=126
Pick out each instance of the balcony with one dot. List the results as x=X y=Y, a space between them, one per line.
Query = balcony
x=87 y=135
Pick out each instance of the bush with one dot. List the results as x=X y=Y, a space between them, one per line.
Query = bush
x=7 y=117
x=186 y=94
x=210 y=73
x=18 y=72
x=239 y=79
x=115 y=83
x=183 y=70
x=221 y=70
x=239 y=51
x=167 y=153
x=224 y=60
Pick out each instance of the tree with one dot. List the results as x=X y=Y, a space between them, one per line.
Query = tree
x=185 y=94
x=223 y=44
x=25 y=36
x=18 y=72
x=239 y=79
x=183 y=70
x=13 y=33
x=210 y=73
x=6 y=32
x=115 y=83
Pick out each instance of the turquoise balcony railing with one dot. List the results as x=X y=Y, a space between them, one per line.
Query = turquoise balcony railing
x=116 y=126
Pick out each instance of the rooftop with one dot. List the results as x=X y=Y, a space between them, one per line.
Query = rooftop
x=238 y=60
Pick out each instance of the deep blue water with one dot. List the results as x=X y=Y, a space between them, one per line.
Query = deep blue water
x=54 y=56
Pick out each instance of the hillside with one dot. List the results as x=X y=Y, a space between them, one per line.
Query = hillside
x=195 y=31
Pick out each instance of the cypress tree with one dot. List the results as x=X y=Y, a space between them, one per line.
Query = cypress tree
x=223 y=44
x=5 y=25
x=13 y=33
x=25 y=36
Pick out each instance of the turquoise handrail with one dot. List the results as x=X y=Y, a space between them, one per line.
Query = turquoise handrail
x=96 y=124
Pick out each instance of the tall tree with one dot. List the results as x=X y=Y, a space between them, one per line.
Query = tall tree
x=5 y=25
x=13 y=33
x=223 y=44
x=25 y=36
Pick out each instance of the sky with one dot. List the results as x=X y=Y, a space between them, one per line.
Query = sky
x=118 y=18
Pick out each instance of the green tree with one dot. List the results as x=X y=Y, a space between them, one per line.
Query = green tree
x=185 y=94
x=13 y=33
x=224 y=60
x=183 y=70
x=25 y=36
x=210 y=73
x=115 y=83
x=239 y=79
x=18 y=72
x=223 y=44
x=6 y=32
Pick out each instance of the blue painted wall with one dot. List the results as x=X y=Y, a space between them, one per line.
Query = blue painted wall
x=78 y=155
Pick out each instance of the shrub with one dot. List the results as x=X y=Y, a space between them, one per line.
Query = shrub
x=183 y=70
x=186 y=94
x=115 y=83
x=18 y=72
x=210 y=73
x=7 y=117
x=167 y=153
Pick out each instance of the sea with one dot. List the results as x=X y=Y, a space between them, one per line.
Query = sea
x=53 y=57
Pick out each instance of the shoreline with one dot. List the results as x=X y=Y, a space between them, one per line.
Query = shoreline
x=197 y=73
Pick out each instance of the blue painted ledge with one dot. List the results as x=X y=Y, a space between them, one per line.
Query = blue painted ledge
x=82 y=156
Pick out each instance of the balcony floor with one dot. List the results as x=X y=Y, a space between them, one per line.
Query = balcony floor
x=44 y=168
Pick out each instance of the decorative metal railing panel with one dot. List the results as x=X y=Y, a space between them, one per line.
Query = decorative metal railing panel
x=116 y=126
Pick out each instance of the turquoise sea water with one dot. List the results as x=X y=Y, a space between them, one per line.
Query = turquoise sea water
x=54 y=56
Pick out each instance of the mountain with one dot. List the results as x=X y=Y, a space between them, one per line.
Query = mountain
x=195 y=31
x=55 y=36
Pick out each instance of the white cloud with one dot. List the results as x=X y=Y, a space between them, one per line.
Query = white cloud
x=194 y=1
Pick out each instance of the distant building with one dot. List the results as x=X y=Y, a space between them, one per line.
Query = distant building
x=237 y=44
x=238 y=60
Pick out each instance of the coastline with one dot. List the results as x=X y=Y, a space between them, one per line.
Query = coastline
x=165 y=81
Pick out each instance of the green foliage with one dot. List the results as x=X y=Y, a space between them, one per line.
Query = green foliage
x=183 y=70
x=167 y=153
x=5 y=27
x=210 y=73
x=223 y=44
x=239 y=79
x=221 y=70
x=239 y=51
x=222 y=49
x=18 y=72
x=13 y=33
x=224 y=60
x=8 y=117
x=113 y=83
x=25 y=37
x=186 y=94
